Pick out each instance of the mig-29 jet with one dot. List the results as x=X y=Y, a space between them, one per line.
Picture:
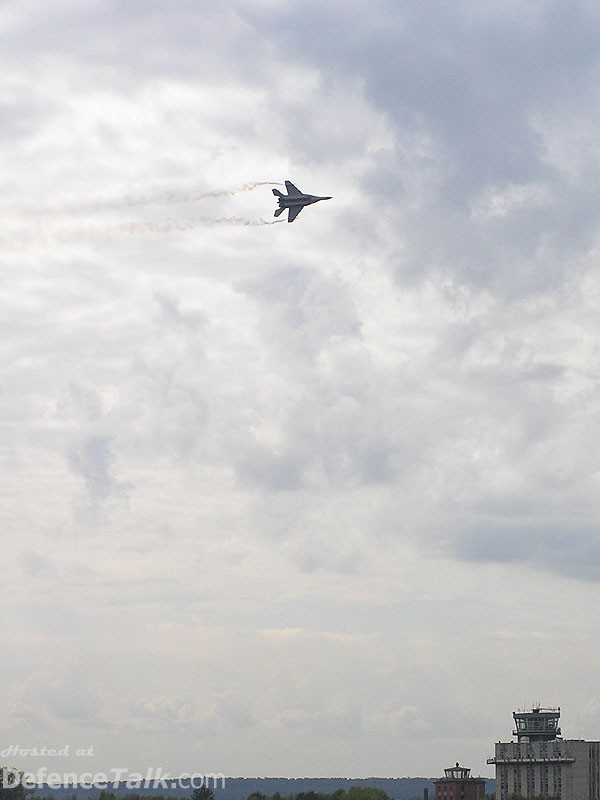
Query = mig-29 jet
x=294 y=200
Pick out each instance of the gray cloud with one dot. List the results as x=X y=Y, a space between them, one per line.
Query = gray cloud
x=572 y=550
x=477 y=93
x=301 y=455
x=94 y=462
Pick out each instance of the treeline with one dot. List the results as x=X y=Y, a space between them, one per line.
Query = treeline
x=201 y=793
x=19 y=792
x=354 y=793
x=537 y=797
x=204 y=793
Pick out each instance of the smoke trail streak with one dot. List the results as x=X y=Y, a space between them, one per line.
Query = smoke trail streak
x=49 y=235
x=169 y=225
x=133 y=201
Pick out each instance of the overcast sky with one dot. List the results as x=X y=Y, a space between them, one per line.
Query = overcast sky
x=309 y=499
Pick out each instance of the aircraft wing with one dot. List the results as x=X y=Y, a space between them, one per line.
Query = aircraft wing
x=291 y=189
x=293 y=212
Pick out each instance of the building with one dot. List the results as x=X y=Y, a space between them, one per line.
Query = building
x=541 y=764
x=457 y=784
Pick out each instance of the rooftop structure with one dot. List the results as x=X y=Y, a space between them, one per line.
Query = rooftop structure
x=537 y=725
x=459 y=785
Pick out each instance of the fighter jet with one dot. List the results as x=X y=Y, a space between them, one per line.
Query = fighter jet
x=294 y=200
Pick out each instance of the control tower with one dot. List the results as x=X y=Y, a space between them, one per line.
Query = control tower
x=542 y=764
x=537 y=725
x=457 y=784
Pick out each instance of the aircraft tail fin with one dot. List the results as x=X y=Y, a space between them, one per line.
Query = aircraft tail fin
x=279 y=211
x=277 y=193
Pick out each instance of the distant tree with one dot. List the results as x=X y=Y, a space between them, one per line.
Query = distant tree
x=138 y=796
x=521 y=797
x=311 y=796
x=11 y=786
x=203 y=793
x=366 y=793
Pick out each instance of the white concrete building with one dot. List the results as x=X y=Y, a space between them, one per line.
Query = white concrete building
x=540 y=764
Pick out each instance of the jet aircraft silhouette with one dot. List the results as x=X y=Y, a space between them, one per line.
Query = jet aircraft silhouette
x=294 y=200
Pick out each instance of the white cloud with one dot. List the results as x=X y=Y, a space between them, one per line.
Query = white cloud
x=261 y=478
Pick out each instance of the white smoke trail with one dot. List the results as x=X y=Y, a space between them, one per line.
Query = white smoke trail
x=169 y=225
x=170 y=197
x=87 y=232
x=132 y=201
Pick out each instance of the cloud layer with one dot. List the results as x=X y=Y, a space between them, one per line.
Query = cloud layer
x=327 y=489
